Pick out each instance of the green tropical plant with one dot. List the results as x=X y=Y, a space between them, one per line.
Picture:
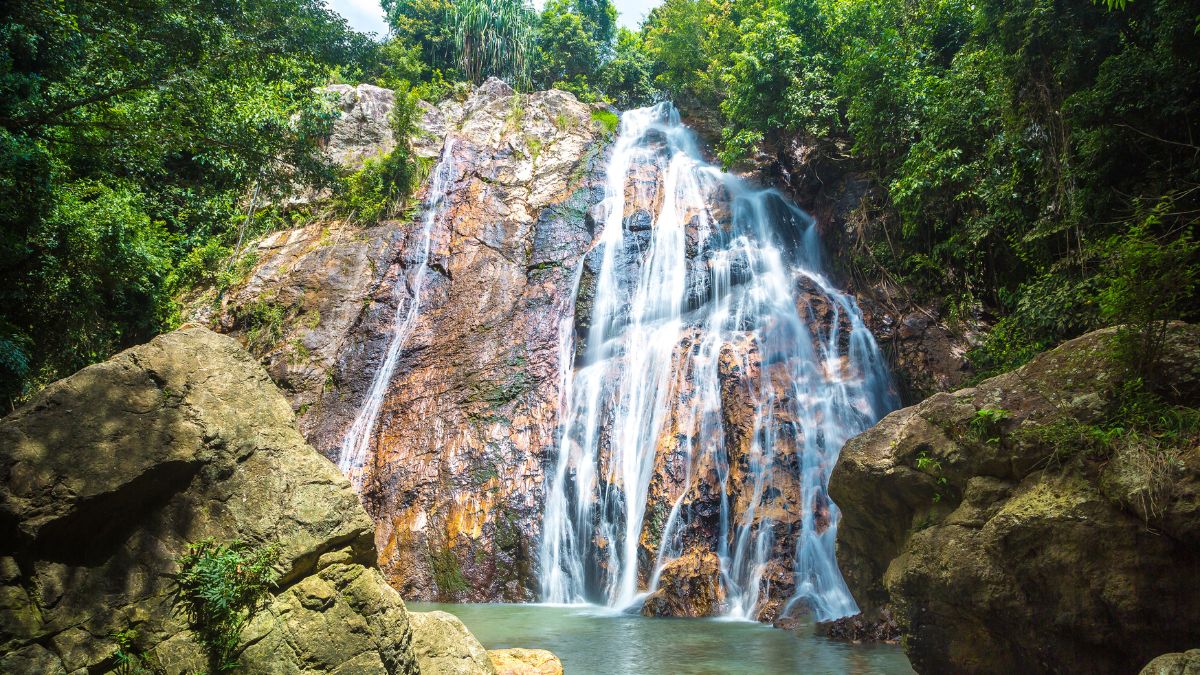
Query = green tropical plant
x=987 y=424
x=219 y=588
x=493 y=37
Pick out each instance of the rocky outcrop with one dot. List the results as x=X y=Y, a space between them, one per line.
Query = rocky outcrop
x=454 y=484
x=688 y=586
x=1005 y=541
x=526 y=662
x=1179 y=663
x=364 y=126
x=108 y=475
x=925 y=353
x=444 y=646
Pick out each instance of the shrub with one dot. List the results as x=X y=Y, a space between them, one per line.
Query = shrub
x=219 y=588
x=1151 y=282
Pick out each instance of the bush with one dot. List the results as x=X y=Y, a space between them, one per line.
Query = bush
x=219 y=588
x=1151 y=282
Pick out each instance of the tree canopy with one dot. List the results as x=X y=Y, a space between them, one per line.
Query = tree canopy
x=1023 y=154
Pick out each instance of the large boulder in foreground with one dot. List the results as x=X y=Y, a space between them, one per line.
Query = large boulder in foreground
x=1178 y=663
x=107 y=475
x=1004 y=544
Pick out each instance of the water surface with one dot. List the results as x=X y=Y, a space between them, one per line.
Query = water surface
x=594 y=640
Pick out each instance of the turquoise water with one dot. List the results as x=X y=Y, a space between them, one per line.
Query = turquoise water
x=595 y=640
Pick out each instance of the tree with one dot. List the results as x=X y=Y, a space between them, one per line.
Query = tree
x=129 y=134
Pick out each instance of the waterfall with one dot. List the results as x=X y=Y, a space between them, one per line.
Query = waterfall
x=695 y=285
x=356 y=445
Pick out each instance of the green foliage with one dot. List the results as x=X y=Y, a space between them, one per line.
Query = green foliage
x=987 y=425
x=1150 y=281
x=628 y=79
x=131 y=136
x=263 y=322
x=219 y=587
x=1012 y=143
x=926 y=463
x=608 y=120
x=493 y=37
x=776 y=82
x=129 y=657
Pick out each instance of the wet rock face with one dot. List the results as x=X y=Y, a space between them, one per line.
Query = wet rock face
x=998 y=549
x=925 y=353
x=455 y=479
x=110 y=473
x=689 y=586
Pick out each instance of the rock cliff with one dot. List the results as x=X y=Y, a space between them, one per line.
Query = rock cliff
x=1004 y=543
x=106 y=477
x=454 y=481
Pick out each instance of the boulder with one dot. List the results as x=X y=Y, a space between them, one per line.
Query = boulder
x=444 y=646
x=1003 y=544
x=1178 y=663
x=525 y=662
x=689 y=586
x=107 y=475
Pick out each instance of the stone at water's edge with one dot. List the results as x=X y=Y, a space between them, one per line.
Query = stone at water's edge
x=465 y=428
x=526 y=662
x=444 y=646
x=110 y=473
x=995 y=556
x=689 y=586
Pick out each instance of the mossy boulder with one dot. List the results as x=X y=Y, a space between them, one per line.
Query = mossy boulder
x=1002 y=543
x=106 y=476
x=444 y=646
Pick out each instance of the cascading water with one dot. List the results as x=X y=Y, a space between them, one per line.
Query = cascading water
x=694 y=284
x=356 y=445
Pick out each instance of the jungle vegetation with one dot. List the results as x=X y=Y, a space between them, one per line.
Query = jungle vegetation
x=1036 y=165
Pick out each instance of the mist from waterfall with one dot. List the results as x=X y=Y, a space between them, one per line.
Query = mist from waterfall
x=707 y=288
x=356 y=445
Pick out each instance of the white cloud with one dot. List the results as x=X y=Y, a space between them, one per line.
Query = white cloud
x=363 y=15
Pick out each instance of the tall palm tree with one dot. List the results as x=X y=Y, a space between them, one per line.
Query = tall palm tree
x=494 y=37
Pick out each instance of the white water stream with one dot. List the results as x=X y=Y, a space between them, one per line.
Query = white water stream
x=707 y=288
x=356 y=445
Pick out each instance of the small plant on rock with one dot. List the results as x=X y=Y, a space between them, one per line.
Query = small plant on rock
x=130 y=658
x=933 y=467
x=220 y=586
x=986 y=424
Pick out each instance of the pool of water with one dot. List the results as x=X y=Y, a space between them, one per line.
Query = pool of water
x=596 y=640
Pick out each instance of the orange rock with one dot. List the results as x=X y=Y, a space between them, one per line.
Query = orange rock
x=525 y=662
x=689 y=586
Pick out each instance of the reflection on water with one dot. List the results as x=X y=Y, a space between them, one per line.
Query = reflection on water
x=596 y=640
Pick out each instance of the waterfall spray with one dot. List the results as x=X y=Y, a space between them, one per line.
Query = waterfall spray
x=703 y=294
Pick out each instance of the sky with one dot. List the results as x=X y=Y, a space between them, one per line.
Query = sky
x=367 y=16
